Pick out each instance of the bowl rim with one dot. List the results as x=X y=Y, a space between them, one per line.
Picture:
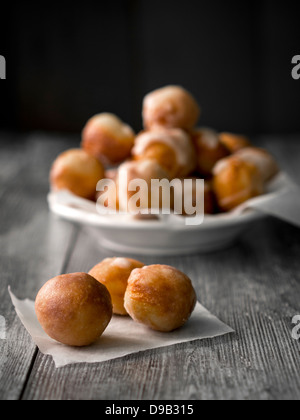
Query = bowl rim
x=127 y=223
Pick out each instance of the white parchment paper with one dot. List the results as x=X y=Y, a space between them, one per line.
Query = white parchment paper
x=122 y=337
x=282 y=200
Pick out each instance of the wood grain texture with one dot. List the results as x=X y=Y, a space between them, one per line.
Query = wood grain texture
x=253 y=286
x=33 y=247
x=235 y=57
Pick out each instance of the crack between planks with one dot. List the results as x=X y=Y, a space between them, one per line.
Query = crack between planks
x=70 y=249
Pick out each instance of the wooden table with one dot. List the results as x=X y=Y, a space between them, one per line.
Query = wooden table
x=253 y=286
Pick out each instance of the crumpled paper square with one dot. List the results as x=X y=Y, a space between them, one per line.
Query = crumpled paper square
x=122 y=337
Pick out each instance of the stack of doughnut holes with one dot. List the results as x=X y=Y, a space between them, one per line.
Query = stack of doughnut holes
x=75 y=309
x=170 y=146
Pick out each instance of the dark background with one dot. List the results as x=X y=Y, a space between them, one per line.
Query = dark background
x=69 y=61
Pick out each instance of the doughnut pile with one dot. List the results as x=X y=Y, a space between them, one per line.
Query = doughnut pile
x=75 y=309
x=171 y=146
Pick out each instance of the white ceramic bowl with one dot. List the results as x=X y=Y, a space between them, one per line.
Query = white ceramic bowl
x=167 y=236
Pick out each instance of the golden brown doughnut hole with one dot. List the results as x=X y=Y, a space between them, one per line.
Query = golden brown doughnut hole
x=74 y=309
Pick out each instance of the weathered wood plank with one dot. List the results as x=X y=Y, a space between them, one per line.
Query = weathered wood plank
x=33 y=246
x=253 y=286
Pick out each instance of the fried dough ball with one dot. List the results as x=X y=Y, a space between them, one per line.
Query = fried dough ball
x=74 y=309
x=160 y=297
x=171 y=148
x=263 y=160
x=170 y=107
x=139 y=201
x=111 y=174
x=190 y=189
x=107 y=138
x=114 y=274
x=78 y=172
x=236 y=181
x=209 y=150
x=234 y=142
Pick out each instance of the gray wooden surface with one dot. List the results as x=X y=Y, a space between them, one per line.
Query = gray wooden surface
x=254 y=287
